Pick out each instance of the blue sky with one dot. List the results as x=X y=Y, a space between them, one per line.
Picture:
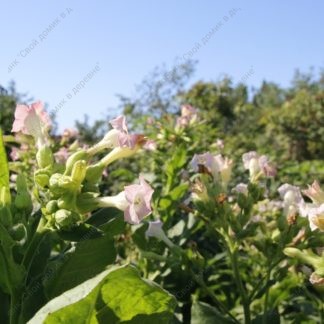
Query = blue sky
x=48 y=48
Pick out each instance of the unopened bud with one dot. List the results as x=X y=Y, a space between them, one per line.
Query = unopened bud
x=79 y=171
x=44 y=157
x=42 y=177
x=65 y=218
x=77 y=156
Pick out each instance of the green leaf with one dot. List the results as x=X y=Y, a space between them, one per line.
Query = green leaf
x=89 y=258
x=114 y=296
x=4 y=171
x=178 y=191
x=202 y=313
x=80 y=232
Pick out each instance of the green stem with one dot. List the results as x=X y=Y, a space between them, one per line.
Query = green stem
x=15 y=305
x=32 y=247
x=239 y=283
x=264 y=317
x=212 y=295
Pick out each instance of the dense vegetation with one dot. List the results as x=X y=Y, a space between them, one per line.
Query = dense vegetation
x=220 y=229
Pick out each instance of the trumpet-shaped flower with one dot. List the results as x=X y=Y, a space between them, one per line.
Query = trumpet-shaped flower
x=139 y=198
x=134 y=201
x=292 y=198
x=155 y=230
x=118 y=137
x=32 y=120
x=258 y=165
x=216 y=165
x=315 y=215
x=188 y=116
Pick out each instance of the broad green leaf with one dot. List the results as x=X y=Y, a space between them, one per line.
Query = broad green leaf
x=4 y=171
x=109 y=220
x=79 y=232
x=89 y=258
x=202 y=313
x=115 y=296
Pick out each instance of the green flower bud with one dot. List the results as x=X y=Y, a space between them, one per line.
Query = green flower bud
x=65 y=218
x=77 y=156
x=23 y=201
x=21 y=183
x=19 y=233
x=52 y=206
x=5 y=216
x=67 y=201
x=94 y=173
x=79 y=171
x=60 y=184
x=44 y=157
x=42 y=178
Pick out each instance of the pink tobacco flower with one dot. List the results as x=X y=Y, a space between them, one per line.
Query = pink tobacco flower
x=315 y=193
x=139 y=198
x=134 y=201
x=292 y=198
x=119 y=123
x=155 y=230
x=117 y=137
x=205 y=159
x=258 y=165
x=216 y=165
x=32 y=120
x=188 y=111
x=188 y=116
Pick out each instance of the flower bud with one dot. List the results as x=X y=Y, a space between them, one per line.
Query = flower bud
x=23 y=201
x=42 y=177
x=79 y=155
x=51 y=206
x=65 y=218
x=60 y=184
x=19 y=233
x=44 y=157
x=66 y=201
x=79 y=171
x=94 y=173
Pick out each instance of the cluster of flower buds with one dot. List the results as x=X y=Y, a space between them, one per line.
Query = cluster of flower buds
x=72 y=194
